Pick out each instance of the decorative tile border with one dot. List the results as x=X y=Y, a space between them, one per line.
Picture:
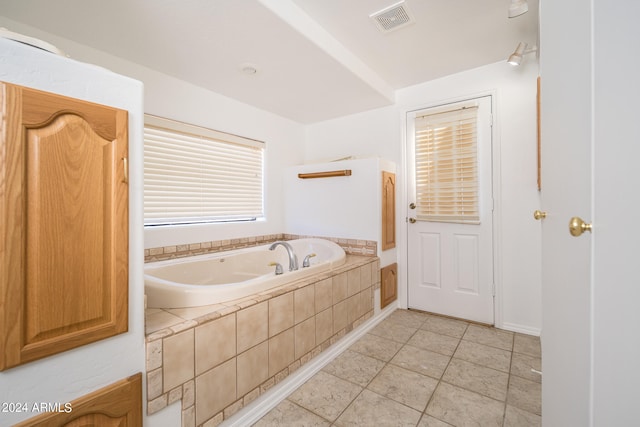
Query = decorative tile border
x=350 y=246
x=341 y=301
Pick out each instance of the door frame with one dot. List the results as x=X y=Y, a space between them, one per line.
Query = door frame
x=403 y=236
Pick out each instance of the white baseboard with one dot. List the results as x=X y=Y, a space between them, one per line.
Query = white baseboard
x=521 y=329
x=263 y=404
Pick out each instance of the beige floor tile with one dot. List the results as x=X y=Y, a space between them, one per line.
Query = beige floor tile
x=377 y=347
x=484 y=355
x=489 y=336
x=371 y=409
x=355 y=367
x=452 y=327
x=412 y=319
x=438 y=343
x=470 y=376
x=527 y=344
x=422 y=361
x=399 y=363
x=290 y=414
x=407 y=387
x=325 y=395
x=515 y=417
x=461 y=407
x=525 y=394
x=429 y=421
x=521 y=365
x=394 y=331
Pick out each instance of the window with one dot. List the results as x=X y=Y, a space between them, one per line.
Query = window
x=194 y=175
x=447 y=166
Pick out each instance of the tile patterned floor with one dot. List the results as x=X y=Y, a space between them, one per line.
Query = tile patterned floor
x=416 y=369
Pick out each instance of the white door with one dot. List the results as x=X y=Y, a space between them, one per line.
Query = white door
x=591 y=290
x=450 y=261
x=566 y=133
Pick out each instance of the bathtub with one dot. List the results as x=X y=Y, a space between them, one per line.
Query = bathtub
x=225 y=276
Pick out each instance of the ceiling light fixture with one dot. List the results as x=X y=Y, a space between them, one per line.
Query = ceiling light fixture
x=248 y=69
x=517 y=8
x=516 y=57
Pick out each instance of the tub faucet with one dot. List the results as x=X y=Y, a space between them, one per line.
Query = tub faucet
x=293 y=259
x=306 y=262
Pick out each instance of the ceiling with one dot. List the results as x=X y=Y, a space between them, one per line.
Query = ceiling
x=315 y=59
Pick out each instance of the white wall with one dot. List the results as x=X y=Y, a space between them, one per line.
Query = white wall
x=172 y=98
x=380 y=133
x=71 y=374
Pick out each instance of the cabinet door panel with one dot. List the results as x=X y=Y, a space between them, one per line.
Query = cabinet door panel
x=388 y=284
x=69 y=287
x=117 y=405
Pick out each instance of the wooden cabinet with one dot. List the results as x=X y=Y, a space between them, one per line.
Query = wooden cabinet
x=388 y=284
x=117 y=405
x=388 y=210
x=64 y=226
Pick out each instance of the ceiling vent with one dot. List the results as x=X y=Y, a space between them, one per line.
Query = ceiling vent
x=392 y=17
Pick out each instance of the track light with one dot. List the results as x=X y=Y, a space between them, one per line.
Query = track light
x=516 y=57
x=517 y=8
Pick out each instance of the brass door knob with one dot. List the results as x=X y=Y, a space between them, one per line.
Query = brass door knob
x=412 y=220
x=577 y=226
x=538 y=215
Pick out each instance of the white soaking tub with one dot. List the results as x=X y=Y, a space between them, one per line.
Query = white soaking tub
x=225 y=276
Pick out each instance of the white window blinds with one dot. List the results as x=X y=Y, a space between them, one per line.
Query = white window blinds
x=193 y=174
x=447 y=166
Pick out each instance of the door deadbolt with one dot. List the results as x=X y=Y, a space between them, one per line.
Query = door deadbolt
x=538 y=215
x=412 y=205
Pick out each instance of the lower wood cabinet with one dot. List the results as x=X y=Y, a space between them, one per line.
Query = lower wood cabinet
x=117 y=405
x=388 y=284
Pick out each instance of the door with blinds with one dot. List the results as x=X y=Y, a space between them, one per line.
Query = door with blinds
x=450 y=226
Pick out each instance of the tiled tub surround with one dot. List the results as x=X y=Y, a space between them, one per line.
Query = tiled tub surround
x=350 y=246
x=219 y=358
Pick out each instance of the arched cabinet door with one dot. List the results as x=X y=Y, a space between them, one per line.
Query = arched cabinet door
x=116 y=405
x=388 y=284
x=64 y=228
x=388 y=210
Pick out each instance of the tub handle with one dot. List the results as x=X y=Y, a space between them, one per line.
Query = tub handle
x=306 y=263
x=278 y=267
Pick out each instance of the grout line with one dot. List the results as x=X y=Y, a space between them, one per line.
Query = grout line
x=442 y=376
